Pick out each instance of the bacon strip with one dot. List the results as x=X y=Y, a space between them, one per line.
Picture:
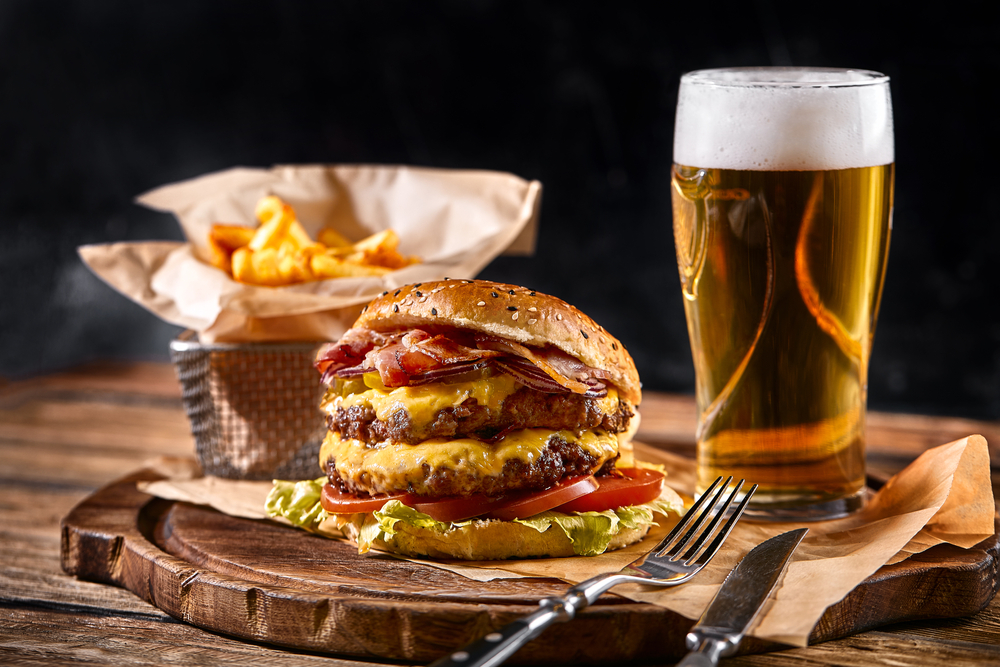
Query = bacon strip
x=448 y=351
x=350 y=350
x=531 y=376
x=416 y=357
x=547 y=360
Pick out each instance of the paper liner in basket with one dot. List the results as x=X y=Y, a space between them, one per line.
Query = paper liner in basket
x=456 y=221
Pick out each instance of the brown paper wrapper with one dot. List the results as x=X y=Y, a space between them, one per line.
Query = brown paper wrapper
x=456 y=221
x=944 y=496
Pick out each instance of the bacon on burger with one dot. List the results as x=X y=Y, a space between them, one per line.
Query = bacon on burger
x=478 y=420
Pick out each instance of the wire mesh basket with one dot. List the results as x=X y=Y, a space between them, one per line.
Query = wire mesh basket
x=254 y=408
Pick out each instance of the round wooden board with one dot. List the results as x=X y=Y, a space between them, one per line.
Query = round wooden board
x=265 y=582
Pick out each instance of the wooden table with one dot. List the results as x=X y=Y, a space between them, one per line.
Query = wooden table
x=64 y=436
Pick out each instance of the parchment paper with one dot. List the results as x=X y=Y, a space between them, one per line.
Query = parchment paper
x=456 y=221
x=943 y=496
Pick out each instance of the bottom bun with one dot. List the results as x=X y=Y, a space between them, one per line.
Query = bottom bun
x=488 y=540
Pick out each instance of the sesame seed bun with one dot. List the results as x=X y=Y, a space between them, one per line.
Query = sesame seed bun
x=507 y=311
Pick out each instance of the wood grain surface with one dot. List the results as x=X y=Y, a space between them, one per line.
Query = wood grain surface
x=266 y=582
x=62 y=437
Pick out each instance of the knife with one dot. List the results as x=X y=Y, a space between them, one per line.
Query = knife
x=721 y=628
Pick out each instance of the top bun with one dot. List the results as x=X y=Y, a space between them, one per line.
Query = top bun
x=507 y=311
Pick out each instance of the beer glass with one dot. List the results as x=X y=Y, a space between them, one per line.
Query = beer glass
x=782 y=191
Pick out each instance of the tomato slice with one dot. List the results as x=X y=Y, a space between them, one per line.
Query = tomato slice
x=336 y=502
x=577 y=494
x=530 y=504
x=452 y=508
x=507 y=507
x=639 y=485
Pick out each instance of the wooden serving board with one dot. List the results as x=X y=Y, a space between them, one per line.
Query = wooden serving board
x=265 y=582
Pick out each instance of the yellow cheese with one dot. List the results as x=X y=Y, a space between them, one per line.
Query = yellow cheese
x=423 y=402
x=388 y=466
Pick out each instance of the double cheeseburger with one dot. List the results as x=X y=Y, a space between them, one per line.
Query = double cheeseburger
x=477 y=420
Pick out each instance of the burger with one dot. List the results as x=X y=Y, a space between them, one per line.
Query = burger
x=477 y=420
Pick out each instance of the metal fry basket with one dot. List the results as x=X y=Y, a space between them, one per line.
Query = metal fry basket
x=254 y=408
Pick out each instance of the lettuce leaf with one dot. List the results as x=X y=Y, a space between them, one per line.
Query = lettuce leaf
x=368 y=532
x=589 y=532
x=298 y=502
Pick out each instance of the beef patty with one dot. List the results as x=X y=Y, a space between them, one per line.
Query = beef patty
x=526 y=408
x=558 y=459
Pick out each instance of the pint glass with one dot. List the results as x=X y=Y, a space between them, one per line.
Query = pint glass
x=782 y=192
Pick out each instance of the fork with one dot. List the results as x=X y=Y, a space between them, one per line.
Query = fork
x=668 y=564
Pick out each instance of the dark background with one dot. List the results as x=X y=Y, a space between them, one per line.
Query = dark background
x=101 y=101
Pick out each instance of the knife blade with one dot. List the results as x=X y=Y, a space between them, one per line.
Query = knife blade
x=721 y=628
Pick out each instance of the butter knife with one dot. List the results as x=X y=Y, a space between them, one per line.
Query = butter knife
x=721 y=628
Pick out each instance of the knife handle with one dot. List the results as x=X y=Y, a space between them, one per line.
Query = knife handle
x=705 y=651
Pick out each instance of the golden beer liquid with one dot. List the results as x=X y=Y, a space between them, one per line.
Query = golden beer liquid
x=782 y=273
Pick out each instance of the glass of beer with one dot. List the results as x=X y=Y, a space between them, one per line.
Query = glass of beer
x=782 y=192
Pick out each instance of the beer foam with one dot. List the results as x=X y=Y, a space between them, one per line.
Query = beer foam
x=783 y=120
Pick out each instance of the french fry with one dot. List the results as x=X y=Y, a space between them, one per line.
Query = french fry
x=242 y=266
x=264 y=263
x=280 y=251
x=271 y=207
x=270 y=234
x=327 y=266
x=299 y=234
x=331 y=238
x=230 y=237
x=223 y=240
x=380 y=250
x=294 y=268
x=385 y=239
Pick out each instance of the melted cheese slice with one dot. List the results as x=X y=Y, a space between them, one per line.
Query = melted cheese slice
x=388 y=466
x=423 y=402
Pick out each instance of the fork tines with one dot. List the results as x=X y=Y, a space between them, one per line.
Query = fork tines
x=706 y=507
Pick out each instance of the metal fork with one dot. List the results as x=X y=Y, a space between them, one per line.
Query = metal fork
x=666 y=565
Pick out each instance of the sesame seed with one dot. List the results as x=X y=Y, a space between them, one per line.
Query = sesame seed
x=397 y=292
x=559 y=316
x=395 y=308
x=418 y=293
x=385 y=292
x=510 y=292
x=511 y=307
x=424 y=299
x=364 y=309
x=532 y=310
x=584 y=333
x=614 y=346
x=481 y=303
x=514 y=316
x=418 y=285
x=531 y=294
x=532 y=321
x=495 y=295
x=447 y=278
x=434 y=311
